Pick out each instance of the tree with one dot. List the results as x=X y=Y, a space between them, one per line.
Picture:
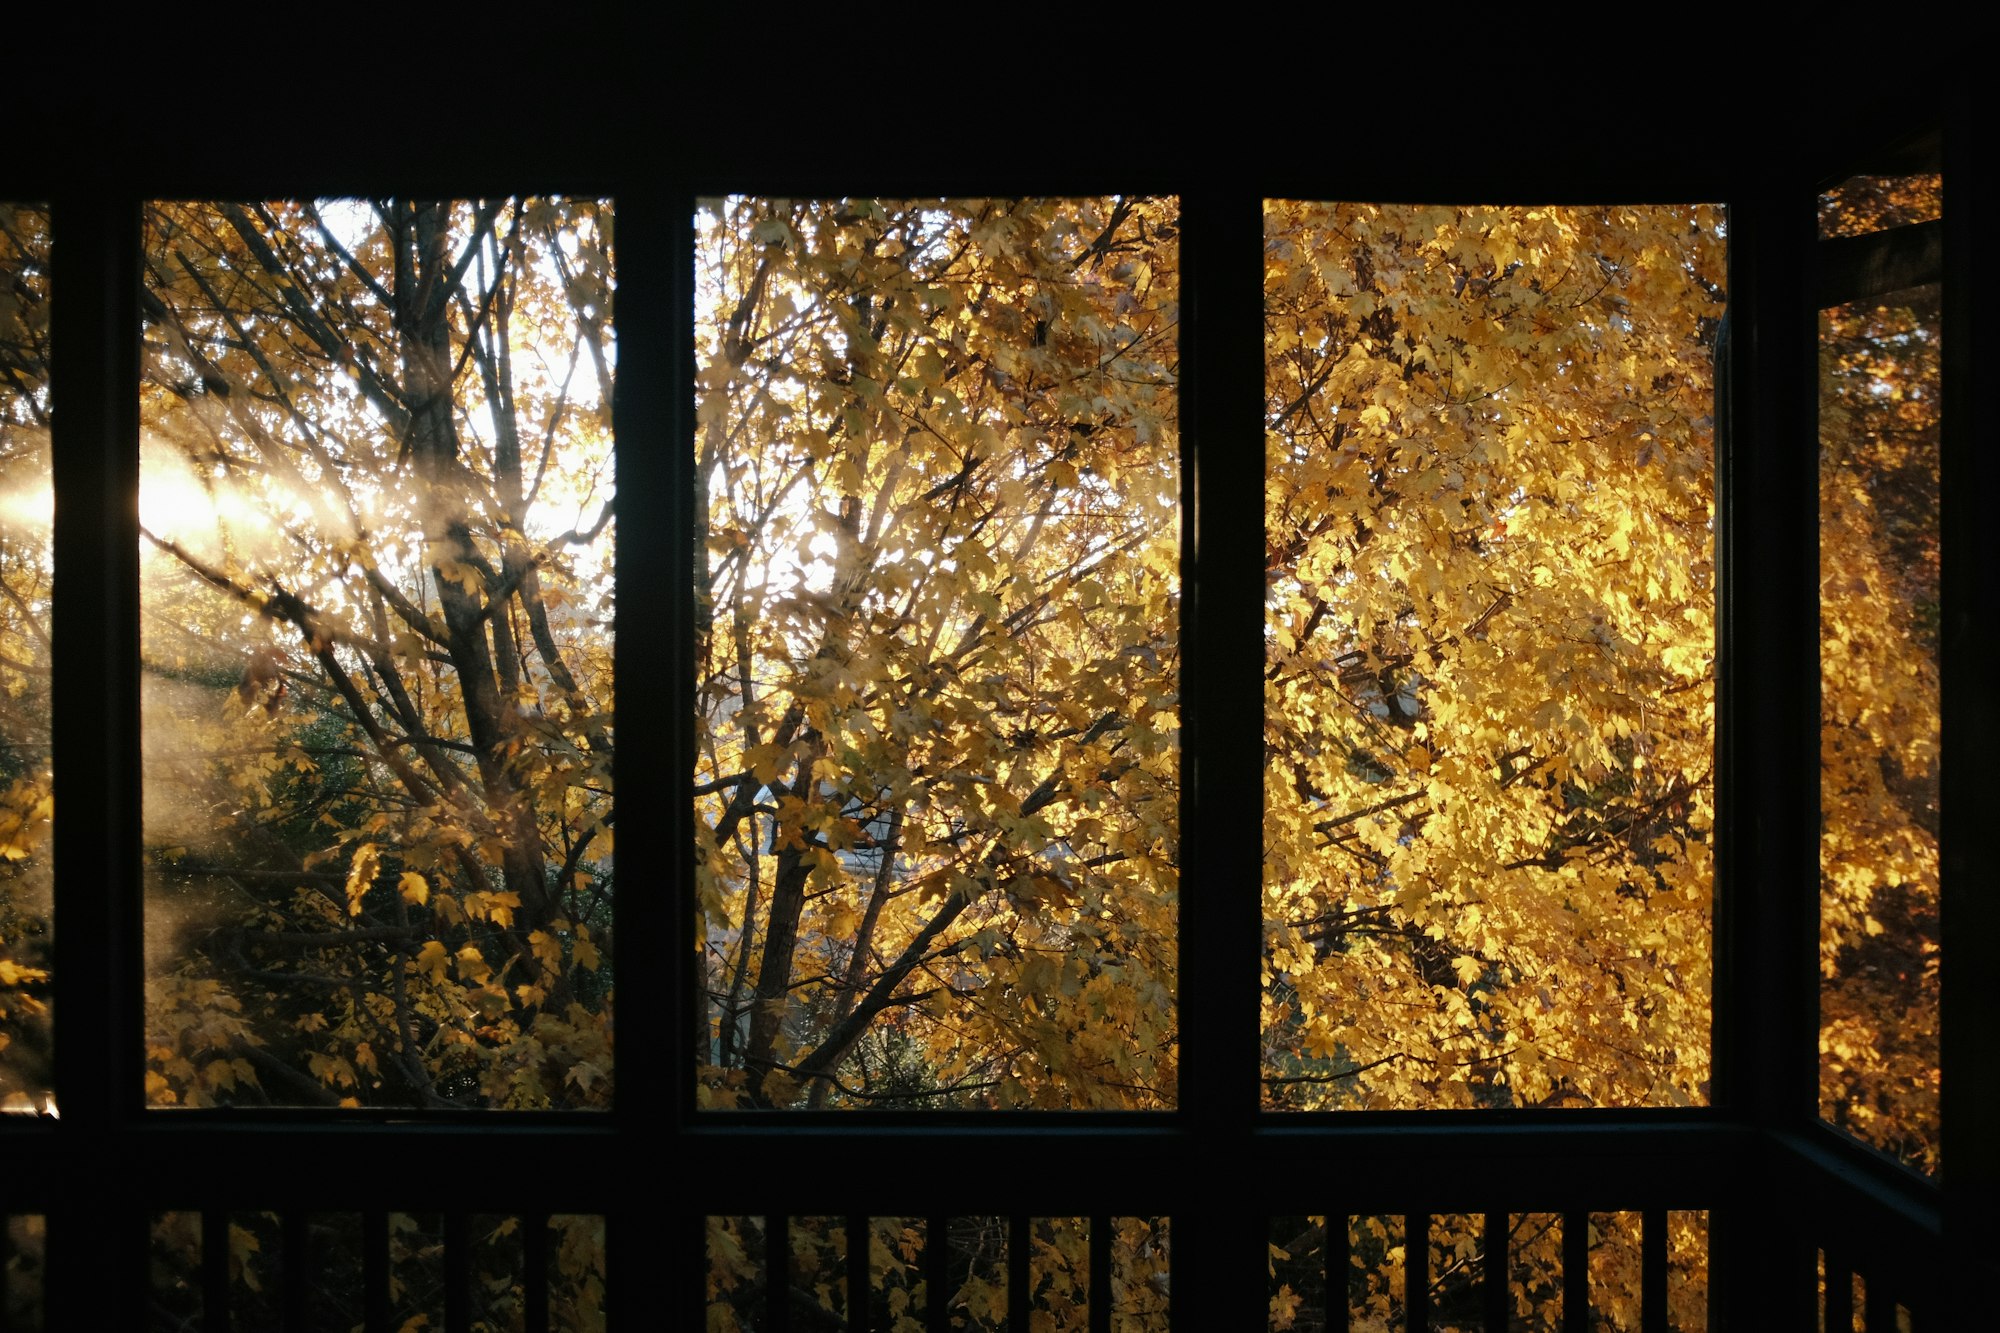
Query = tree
x=1489 y=686
x=25 y=535
x=936 y=626
x=377 y=506
x=1880 y=620
x=935 y=609
x=1491 y=650
x=937 y=660
x=377 y=499
x=937 y=697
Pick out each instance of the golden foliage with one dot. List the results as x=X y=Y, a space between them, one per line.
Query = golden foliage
x=26 y=797
x=1490 y=637
x=938 y=669
x=1880 y=722
x=376 y=496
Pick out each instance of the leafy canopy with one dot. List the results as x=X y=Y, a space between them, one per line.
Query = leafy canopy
x=937 y=673
x=1880 y=945
x=1490 y=654
x=376 y=497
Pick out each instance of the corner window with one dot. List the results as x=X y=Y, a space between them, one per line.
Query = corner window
x=1880 y=553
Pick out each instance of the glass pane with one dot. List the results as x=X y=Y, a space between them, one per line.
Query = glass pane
x=1490 y=642
x=1879 y=722
x=976 y=1273
x=376 y=502
x=26 y=535
x=1875 y=203
x=936 y=599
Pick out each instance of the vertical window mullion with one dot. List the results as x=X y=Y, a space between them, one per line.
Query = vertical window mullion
x=1219 y=1253
x=653 y=651
x=1969 y=472
x=1769 y=672
x=1767 y=733
x=94 y=384
x=652 y=416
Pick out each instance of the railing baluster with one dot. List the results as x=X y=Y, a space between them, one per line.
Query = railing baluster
x=297 y=1269
x=1839 y=1294
x=1339 y=1258
x=535 y=1272
x=1020 y=1291
x=1653 y=1270
x=1496 y=1272
x=1576 y=1271
x=778 y=1273
x=375 y=1271
x=692 y=1308
x=937 y=1276
x=1417 y=1272
x=214 y=1273
x=1100 y=1275
x=857 y=1275
x=1881 y=1310
x=457 y=1274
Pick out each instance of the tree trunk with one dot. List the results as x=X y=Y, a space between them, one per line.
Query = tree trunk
x=423 y=290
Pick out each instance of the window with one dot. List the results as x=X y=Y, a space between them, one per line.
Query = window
x=1880 y=619
x=1489 y=805
x=25 y=886
x=1774 y=1185
x=376 y=500
x=936 y=594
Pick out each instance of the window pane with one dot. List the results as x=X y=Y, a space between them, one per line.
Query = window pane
x=936 y=596
x=1879 y=721
x=1490 y=645
x=1875 y=203
x=26 y=532
x=376 y=503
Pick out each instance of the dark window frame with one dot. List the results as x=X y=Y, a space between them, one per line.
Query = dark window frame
x=1777 y=1182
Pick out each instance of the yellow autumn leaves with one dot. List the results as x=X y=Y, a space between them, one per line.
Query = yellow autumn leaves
x=938 y=706
x=1880 y=416
x=1490 y=647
